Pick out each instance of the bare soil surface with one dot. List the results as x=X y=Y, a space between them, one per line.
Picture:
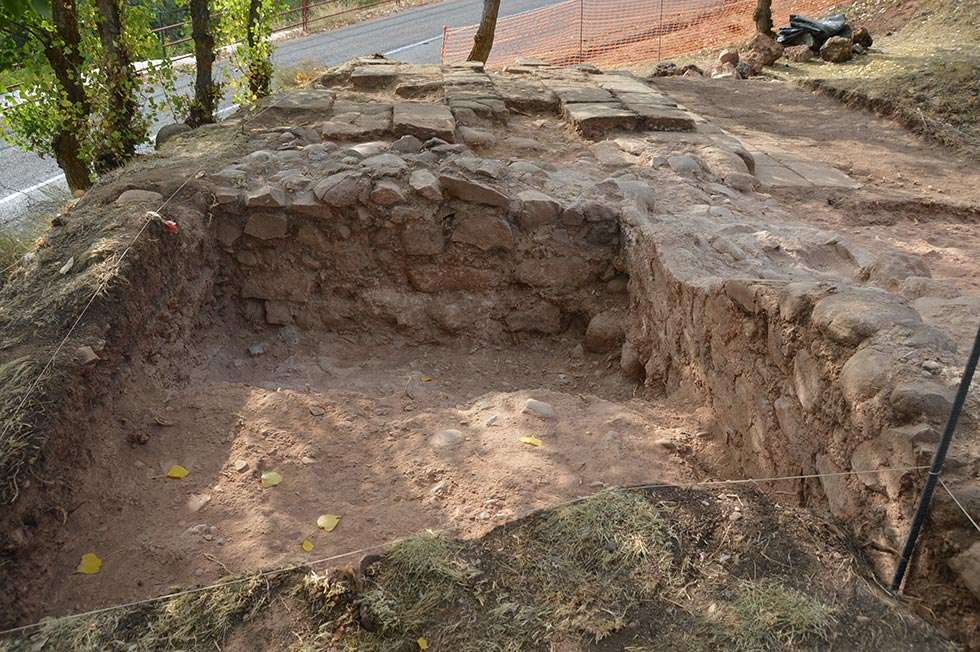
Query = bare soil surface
x=352 y=424
x=918 y=197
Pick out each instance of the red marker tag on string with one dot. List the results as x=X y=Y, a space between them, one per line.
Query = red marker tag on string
x=169 y=225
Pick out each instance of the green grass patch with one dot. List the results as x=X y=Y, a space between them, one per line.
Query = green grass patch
x=771 y=616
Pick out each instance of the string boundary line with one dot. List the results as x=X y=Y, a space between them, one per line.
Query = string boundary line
x=959 y=504
x=391 y=542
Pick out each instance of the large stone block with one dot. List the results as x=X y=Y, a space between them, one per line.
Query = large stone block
x=424 y=121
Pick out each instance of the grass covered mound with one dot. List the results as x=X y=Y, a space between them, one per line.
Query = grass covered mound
x=620 y=570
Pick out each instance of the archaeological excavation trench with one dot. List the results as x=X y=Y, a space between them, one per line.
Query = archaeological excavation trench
x=435 y=298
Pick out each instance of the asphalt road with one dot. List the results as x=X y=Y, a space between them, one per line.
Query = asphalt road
x=414 y=35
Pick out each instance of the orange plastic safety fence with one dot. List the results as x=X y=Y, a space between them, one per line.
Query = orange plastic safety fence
x=611 y=32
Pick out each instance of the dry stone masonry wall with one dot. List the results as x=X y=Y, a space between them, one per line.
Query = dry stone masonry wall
x=445 y=200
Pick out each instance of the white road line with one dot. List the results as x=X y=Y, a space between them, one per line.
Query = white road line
x=26 y=191
x=412 y=45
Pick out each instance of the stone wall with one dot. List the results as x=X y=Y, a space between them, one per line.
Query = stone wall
x=806 y=377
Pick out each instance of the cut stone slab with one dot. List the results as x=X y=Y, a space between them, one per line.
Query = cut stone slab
x=593 y=120
x=357 y=121
x=582 y=94
x=419 y=87
x=621 y=83
x=817 y=173
x=426 y=184
x=303 y=101
x=424 y=121
x=473 y=191
x=537 y=209
x=773 y=174
x=656 y=117
x=374 y=76
x=527 y=95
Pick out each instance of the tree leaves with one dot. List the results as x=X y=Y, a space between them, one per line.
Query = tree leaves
x=328 y=522
x=531 y=441
x=177 y=472
x=270 y=479
x=90 y=564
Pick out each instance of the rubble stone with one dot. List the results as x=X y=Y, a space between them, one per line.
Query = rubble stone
x=484 y=231
x=339 y=189
x=836 y=49
x=426 y=184
x=473 y=191
x=387 y=193
x=862 y=37
x=605 y=332
x=423 y=238
x=537 y=209
x=137 y=196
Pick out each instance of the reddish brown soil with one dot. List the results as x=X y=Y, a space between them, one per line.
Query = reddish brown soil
x=347 y=424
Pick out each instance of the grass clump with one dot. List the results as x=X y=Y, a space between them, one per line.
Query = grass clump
x=19 y=443
x=196 y=621
x=575 y=572
x=771 y=616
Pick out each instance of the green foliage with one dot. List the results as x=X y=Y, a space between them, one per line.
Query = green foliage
x=45 y=111
x=251 y=22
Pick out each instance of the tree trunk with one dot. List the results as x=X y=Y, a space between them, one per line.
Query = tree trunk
x=483 y=41
x=123 y=82
x=763 y=18
x=259 y=70
x=205 y=90
x=65 y=56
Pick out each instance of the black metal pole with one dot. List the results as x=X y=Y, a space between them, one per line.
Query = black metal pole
x=922 y=510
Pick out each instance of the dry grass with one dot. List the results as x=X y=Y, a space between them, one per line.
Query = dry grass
x=620 y=570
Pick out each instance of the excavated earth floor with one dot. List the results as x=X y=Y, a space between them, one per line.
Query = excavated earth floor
x=436 y=298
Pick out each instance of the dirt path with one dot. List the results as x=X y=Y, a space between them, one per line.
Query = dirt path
x=917 y=197
x=363 y=430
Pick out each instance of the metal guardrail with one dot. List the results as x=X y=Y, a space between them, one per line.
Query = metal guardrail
x=304 y=9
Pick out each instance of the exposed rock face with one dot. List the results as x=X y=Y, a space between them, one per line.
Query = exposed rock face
x=836 y=49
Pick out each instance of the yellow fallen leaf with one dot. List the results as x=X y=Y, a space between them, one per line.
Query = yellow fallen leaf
x=328 y=522
x=423 y=643
x=426 y=379
x=90 y=564
x=177 y=472
x=271 y=479
x=531 y=441
x=307 y=545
